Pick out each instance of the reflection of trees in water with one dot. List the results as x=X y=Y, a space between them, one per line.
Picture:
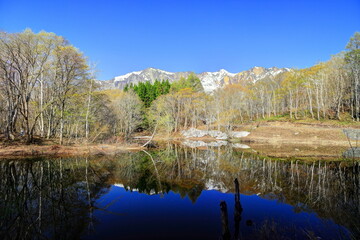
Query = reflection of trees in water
x=47 y=198
x=225 y=233
x=176 y=169
x=331 y=189
x=55 y=198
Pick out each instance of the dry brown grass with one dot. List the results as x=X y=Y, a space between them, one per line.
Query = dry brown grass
x=23 y=151
x=295 y=133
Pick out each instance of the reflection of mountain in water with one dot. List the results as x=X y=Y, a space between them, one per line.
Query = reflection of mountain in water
x=56 y=198
x=330 y=189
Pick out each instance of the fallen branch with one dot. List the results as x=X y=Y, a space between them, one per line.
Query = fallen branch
x=152 y=136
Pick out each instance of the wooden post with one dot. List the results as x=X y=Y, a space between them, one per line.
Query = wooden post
x=238 y=209
x=224 y=221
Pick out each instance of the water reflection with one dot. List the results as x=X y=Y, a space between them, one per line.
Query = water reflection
x=237 y=215
x=238 y=209
x=76 y=198
x=48 y=198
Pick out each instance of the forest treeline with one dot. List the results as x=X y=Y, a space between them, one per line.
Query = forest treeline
x=47 y=89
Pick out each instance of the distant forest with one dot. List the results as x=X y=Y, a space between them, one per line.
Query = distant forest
x=48 y=90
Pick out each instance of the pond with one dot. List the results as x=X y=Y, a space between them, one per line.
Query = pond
x=179 y=193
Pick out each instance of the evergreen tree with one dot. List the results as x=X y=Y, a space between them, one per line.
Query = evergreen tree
x=149 y=92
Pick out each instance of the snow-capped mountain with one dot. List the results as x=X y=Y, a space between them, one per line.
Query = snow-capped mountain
x=149 y=74
x=210 y=80
x=214 y=80
x=258 y=73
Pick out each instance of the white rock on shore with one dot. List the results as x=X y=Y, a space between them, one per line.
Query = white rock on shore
x=239 y=145
x=196 y=133
x=239 y=134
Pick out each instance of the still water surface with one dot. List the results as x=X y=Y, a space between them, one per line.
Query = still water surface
x=175 y=193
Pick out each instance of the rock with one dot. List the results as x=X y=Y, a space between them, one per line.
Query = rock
x=218 y=135
x=217 y=144
x=353 y=134
x=239 y=134
x=352 y=153
x=195 y=144
x=239 y=145
x=196 y=133
x=193 y=133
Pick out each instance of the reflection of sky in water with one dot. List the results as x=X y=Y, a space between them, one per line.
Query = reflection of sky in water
x=67 y=197
x=171 y=217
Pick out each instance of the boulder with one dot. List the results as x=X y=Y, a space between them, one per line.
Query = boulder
x=218 y=135
x=195 y=144
x=196 y=133
x=239 y=134
x=217 y=144
x=239 y=145
x=193 y=133
x=352 y=153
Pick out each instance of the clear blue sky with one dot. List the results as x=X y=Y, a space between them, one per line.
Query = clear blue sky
x=124 y=36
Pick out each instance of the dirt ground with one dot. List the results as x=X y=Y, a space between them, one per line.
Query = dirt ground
x=297 y=140
x=19 y=151
x=295 y=133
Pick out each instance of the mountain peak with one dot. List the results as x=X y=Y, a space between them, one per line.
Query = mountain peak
x=151 y=69
x=223 y=71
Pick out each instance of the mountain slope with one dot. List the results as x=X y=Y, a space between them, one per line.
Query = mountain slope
x=210 y=80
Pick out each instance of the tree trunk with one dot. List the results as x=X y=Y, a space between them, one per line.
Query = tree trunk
x=41 y=107
x=291 y=103
x=317 y=103
x=310 y=102
x=61 y=124
x=87 y=113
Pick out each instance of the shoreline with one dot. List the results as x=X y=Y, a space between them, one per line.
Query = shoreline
x=273 y=139
x=33 y=151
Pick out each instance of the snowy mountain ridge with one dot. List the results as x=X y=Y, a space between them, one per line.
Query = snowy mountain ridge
x=210 y=80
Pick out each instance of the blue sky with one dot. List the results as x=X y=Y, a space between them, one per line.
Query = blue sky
x=125 y=36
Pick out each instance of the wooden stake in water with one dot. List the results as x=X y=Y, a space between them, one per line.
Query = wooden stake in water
x=224 y=221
